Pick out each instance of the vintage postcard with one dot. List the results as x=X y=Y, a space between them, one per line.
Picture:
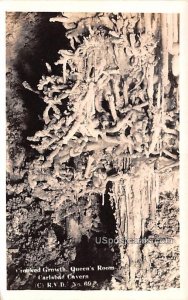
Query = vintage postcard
x=92 y=126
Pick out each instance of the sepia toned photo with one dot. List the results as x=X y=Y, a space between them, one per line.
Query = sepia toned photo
x=92 y=151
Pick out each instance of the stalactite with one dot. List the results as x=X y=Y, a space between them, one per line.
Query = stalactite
x=135 y=199
x=164 y=50
x=170 y=32
x=148 y=23
x=175 y=28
